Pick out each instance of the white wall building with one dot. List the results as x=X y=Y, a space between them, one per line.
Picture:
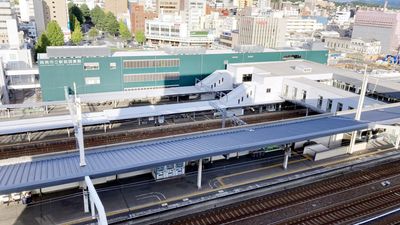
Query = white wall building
x=342 y=17
x=194 y=10
x=303 y=82
x=354 y=45
x=170 y=30
x=17 y=72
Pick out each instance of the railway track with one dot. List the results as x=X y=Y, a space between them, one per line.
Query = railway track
x=352 y=210
x=65 y=144
x=269 y=203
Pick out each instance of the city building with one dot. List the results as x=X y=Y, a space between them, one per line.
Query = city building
x=354 y=45
x=7 y=13
x=342 y=17
x=241 y=4
x=15 y=37
x=169 y=6
x=118 y=7
x=138 y=17
x=27 y=10
x=90 y=3
x=193 y=11
x=95 y=70
x=17 y=74
x=263 y=4
x=378 y=25
x=266 y=31
x=53 y=10
x=171 y=30
x=302 y=25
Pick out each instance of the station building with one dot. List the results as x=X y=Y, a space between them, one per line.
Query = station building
x=96 y=70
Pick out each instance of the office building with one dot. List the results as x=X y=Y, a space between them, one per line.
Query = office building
x=354 y=45
x=6 y=13
x=138 y=17
x=54 y=10
x=117 y=7
x=266 y=31
x=382 y=26
x=193 y=12
x=168 y=6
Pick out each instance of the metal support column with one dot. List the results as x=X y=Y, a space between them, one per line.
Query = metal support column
x=286 y=157
x=95 y=203
x=85 y=200
x=359 y=110
x=199 y=173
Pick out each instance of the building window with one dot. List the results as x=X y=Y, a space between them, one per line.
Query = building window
x=113 y=66
x=91 y=66
x=143 y=77
x=319 y=103
x=151 y=63
x=350 y=108
x=290 y=57
x=92 y=80
x=339 y=107
x=304 y=96
x=268 y=90
x=286 y=90
x=294 y=94
x=329 y=105
x=247 y=77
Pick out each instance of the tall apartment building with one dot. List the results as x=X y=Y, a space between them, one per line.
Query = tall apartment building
x=54 y=10
x=169 y=6
x=267 y=31
x=138 y=17
x=27 y=11
x=194 y=10
x=6 y=13
x=382 y=26
x=117 y=7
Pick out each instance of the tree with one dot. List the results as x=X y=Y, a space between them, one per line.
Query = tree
x=54 y=34
x=42 y=44
x=85 y=10
x=139 y=37
x=111 y=24
x=98 y=17
x=74 y=10
x=93 y=33
x=77 y=35
x=124 y=32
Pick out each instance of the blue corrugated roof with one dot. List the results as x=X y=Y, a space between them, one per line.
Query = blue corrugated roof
x=106 y=161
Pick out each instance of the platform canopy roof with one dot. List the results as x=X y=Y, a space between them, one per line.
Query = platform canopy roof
x=105 y=161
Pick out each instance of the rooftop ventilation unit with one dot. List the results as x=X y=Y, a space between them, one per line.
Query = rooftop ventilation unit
x=302 y=68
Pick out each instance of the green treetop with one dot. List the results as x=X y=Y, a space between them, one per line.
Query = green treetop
x=77 y=35
x=54 y=34
x=124 y=32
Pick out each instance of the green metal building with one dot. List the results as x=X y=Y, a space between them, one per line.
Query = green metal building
x=94 y=69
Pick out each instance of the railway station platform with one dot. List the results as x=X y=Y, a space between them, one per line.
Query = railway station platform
x=132 y=197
